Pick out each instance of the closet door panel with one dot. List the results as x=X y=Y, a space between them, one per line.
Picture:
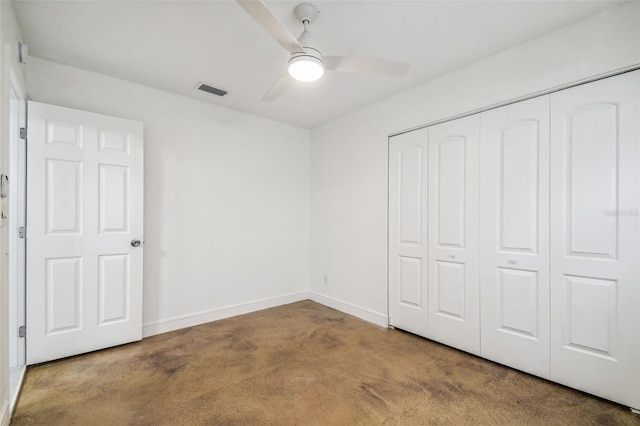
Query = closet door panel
x=518 y=178
x=408 y=231
x=591 y=165
x=453 y=234
x=449 y=182
x=449 y=289
x=517 y=307
x=514 y=255
x=595 y=273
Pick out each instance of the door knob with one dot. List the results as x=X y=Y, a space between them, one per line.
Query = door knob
x=135 y=243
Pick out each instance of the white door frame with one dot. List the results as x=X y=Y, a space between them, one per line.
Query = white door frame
x=16 y=249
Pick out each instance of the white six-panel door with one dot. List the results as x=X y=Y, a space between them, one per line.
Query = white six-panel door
x=408 y=231
x=595 y=234
x=514 y=235
x=84 y=208
x=454 y=305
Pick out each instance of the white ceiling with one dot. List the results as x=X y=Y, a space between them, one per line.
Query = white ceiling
x=174 y=45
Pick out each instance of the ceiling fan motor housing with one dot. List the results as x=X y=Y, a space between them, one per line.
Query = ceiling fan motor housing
x=310 y=46
x=309 y=64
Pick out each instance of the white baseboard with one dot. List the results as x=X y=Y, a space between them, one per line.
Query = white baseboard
x=203 y=317
x=18 y=386
x=368 y=315
x=4 y=413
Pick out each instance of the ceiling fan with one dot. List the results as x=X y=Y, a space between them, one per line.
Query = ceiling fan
x=307 y=63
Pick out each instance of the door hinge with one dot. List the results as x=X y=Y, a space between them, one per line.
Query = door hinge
x=23 y=133
x=22 y=331
x=21 y=232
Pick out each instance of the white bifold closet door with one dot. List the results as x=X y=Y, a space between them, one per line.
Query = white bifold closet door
x=514 y=241
x=595 y=233
x=454 y=299
x=408 y=231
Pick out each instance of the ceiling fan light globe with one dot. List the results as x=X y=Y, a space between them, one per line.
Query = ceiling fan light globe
x=306 y=68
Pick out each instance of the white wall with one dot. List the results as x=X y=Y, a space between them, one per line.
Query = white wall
x=9 y=37
x=226 y=197
x=349 y=155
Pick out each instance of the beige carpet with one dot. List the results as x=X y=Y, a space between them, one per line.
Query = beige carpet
x=300 y=364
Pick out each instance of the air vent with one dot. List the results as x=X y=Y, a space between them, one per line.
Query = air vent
x=210 y=89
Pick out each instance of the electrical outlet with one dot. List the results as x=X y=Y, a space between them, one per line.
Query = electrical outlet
x=326 y=280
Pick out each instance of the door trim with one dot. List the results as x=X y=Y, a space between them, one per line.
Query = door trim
x=526 y=97
x=16 y=249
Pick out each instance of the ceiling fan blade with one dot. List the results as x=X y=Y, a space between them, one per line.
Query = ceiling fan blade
x=267 y=20
x=278 y=88
x=364 y=65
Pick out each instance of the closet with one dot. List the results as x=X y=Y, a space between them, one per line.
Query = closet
x=514 y=234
